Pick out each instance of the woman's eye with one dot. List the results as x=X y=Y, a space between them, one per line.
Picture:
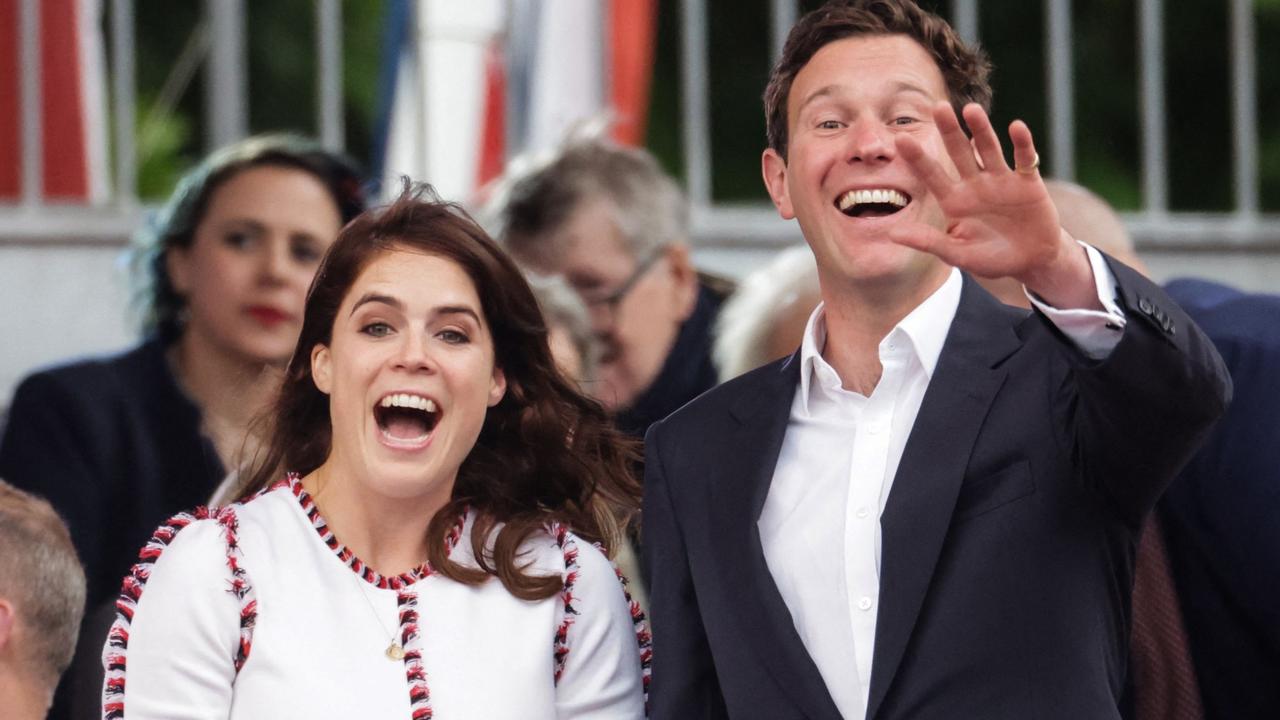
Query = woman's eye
x=376 y=329
x=237 y=239
x=453 y=337
x=305 y=252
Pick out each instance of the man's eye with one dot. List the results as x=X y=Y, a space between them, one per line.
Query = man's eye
x=376 y=329
x=904 y=120
x=829 y=125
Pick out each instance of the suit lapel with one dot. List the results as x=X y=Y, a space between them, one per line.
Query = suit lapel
x=918 y=512
x=739 y=491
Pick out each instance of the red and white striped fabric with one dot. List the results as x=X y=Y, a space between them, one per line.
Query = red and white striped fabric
x=72 y=101
x=456 y=112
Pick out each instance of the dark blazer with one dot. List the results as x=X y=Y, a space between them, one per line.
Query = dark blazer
x=115 y=446
x=1008 y=537
x=1220 y=514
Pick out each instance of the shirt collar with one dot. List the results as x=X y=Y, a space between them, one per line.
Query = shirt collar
x=926 y=327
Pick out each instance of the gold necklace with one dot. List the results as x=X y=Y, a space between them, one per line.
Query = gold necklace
x=394 y=651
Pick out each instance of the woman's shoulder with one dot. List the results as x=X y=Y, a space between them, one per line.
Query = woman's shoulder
x=212 y=533
x=137 y=363
x=131 y=382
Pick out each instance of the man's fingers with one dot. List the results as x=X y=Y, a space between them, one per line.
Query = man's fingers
x=925 y=238
x=955 y=141
x=1025 y=159
x=985 y=139
x=926 y=168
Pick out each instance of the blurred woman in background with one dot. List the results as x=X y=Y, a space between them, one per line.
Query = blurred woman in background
x=440 y=541
x=118 y=444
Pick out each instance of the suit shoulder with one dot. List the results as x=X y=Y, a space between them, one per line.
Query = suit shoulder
x=714 y=403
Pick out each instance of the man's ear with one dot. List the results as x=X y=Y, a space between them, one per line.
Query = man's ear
x=774 y=169
x=497 y=386
x=321 y=368
x=684 y=279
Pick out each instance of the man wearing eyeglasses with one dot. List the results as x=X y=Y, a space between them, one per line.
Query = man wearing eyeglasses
x=615 y=226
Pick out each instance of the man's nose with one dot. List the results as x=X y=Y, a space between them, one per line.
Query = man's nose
x=870 y=142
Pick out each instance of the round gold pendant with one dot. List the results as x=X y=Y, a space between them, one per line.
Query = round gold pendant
x=395 y=652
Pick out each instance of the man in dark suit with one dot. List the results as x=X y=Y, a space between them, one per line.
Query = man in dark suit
x=1219 y=515
x=929 y=510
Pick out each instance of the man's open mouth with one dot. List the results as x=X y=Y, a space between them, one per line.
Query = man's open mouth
x=877 y=202
x=406 y=417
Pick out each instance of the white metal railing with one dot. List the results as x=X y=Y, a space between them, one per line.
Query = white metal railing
x=35 y=220
x=727 y=226
x=720 y=225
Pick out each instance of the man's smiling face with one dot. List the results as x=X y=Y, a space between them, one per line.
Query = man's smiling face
x=843 y=178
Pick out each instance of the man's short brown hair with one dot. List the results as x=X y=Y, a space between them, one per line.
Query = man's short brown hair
x=965 y=69
x=41 y=575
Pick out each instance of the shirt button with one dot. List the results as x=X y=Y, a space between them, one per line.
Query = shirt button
x=862 y=512
x=864 y=603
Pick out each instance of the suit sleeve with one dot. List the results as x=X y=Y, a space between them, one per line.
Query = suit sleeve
x=1138 y=415
x=684 y=685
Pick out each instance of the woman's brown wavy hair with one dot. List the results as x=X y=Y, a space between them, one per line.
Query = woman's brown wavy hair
x=545 y=452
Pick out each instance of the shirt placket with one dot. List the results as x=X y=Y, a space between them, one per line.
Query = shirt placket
x=867 y=468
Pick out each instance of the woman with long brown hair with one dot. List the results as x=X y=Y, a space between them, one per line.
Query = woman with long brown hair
x=439 y=543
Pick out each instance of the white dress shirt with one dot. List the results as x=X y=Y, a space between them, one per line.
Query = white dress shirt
x=820 y=526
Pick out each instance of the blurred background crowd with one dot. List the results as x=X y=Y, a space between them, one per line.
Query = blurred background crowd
x=161 y=162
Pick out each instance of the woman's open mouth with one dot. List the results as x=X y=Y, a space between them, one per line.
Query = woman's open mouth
x=406 y=419
x=872 y=202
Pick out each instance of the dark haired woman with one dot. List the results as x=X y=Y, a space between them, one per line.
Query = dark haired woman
x=118 y=444
x=438 y=545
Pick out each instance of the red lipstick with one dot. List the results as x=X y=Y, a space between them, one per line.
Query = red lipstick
x=267 y=316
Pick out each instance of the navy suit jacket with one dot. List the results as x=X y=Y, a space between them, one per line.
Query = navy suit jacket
x=1008 y=537
x=1220 y=514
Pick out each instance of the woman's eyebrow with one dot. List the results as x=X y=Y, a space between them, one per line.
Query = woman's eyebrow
x=377 y=298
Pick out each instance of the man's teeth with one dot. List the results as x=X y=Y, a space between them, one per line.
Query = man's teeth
x=872 y=197
x=409 y=401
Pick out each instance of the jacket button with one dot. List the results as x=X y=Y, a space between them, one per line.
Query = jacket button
x=1145 y=305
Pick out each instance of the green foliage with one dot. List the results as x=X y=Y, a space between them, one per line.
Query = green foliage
x=282 y=74
x=160 y=152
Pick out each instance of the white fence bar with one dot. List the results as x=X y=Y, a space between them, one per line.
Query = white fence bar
x=784 y=15
x=1155 y=167
x=32 y=99
x=697 y=134
x=1059 y=69
x=1244 y=106
x=964 y=18
x=122 y=85
x=228 y=86
x=329 y=120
